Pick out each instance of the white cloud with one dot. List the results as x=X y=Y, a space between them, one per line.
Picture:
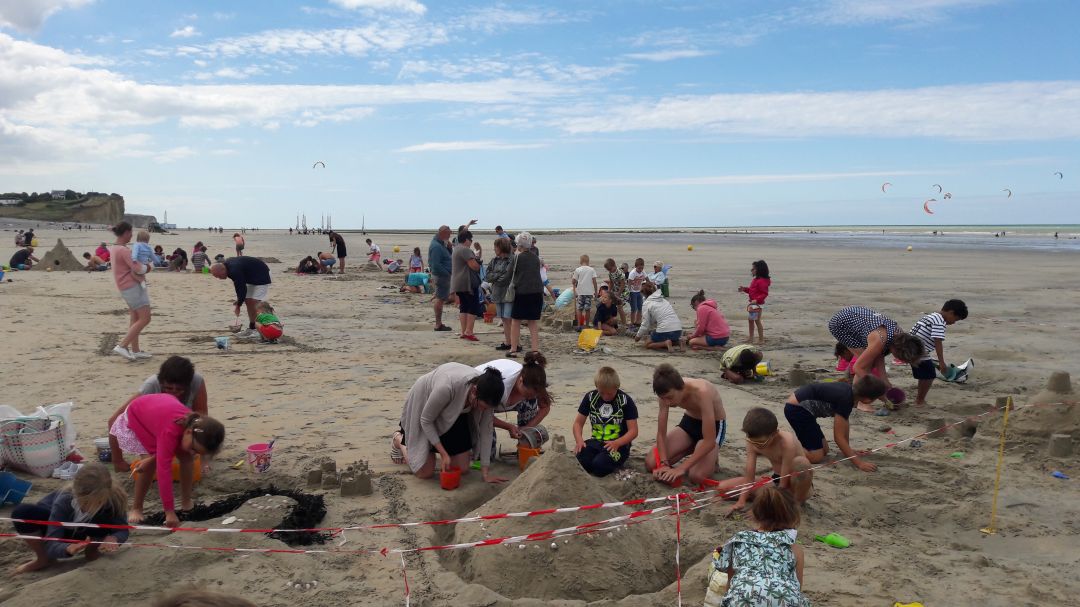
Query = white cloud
x=404 y=6
x=29 y=15
x=997 y=111
x=173 y=154
x=842 y=12
x=381 y=35
x=310 y=118
x=742 y=179
x=497 y=18
x=188 y=31
x=468 y=146
x=667 y=55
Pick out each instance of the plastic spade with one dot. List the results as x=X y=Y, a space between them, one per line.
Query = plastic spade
x=834 y=539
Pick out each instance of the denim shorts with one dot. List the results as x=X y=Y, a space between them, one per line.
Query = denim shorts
x=672 y=335
x=713 y=342
x=502 y=310
x=635 y=301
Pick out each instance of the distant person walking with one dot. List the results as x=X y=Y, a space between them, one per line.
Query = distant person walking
x=251 y=278
x=239 y=240
x=337 y=245
x=441 y=267
x=130 y=276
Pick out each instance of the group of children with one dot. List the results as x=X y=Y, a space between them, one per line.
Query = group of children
x=154 y=257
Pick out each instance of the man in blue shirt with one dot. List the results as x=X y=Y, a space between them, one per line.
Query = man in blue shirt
x=439 y=263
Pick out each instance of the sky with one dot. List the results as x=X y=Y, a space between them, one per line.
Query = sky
x=617 y=113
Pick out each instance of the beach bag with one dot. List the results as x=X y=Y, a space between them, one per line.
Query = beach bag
x=588 y=339
x=511 y=290
x=25 y=447
x=718 y=582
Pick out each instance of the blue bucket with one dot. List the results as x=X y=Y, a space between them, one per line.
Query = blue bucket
x=13 y=490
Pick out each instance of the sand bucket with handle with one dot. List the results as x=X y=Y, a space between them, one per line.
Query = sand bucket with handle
x=450 y=478
x=258 y=457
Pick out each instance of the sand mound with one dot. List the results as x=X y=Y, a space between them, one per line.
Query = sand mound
x=629 y=561
x=59 y=258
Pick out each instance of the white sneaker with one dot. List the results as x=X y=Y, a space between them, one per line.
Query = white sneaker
x=248 y=334
x=67 y=471
x=142 y=354
x=122 y=351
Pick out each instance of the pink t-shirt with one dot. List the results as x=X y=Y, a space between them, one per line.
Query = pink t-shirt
x=123 y=267
x=758 y=290
x=152 y=418
x=710 y=321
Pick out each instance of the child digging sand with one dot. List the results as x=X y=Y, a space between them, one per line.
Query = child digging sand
x=91 y=498
x=781 y=448
x=930 y=329
x=612 y=416
x=267 y=324
x=764 y=565
x=697 y=437
x=835 y=400
x=160 y=426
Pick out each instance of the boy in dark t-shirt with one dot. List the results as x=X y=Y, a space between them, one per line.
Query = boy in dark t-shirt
x=835 y=400
x=612 y=417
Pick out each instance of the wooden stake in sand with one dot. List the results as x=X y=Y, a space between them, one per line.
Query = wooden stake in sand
x=989 y=529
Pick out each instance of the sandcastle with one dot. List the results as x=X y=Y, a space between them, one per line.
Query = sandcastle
x=60 y=258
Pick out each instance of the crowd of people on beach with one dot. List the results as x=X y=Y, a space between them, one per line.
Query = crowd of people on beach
x=449 y=422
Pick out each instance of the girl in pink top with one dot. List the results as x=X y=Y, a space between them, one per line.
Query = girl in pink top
x=712 y=331
x=160 y=426
x=130 y=280
x=758 y=291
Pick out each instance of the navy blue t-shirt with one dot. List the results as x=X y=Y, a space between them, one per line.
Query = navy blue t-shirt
x=826 y=399
x=605 y=313
x=608 y=418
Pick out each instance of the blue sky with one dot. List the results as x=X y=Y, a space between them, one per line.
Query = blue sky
x=557 y=114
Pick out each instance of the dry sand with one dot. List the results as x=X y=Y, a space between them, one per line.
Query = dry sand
x=335 y=388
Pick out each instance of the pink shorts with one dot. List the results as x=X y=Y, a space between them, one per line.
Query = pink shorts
x=129 y=443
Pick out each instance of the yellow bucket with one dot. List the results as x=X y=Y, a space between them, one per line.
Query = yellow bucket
x=763 y=368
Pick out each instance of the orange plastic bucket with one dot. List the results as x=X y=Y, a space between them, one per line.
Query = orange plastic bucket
x=489 y=317
x=525 y=454
x=450 y=478
x=196 y=470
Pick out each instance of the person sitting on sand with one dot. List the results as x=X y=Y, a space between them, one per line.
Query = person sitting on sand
x=103 y=252
x=606 y=317
x=835 y=400
x=764 y=565
x=612 y=417
x=160 y=426
x=95 y=263
x=790 y=466
x=327 y=261
x=448 y=412
x=159 y=257
x=177 y=377
x=92 y=498
x=267 y=323
x=308 y=265
x=690 y=448
x=525 y=393
x=178 y=261
x=660 y=324
x=870 y=335
x=711 y=331
x=739 y=363
x=23 y=259
x=199 y=258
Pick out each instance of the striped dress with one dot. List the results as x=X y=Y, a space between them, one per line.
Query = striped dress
x=851 y=326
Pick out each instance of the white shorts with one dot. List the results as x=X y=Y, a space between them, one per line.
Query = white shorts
x=257 y=292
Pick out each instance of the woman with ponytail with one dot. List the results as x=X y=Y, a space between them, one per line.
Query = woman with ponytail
x=91 y=498
x=447 y=413
x=525 y=393
x=160 y=426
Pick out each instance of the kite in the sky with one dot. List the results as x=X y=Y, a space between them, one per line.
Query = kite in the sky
x=885 y=186
x=1007 y=191
x=939 y=190
x=317 y=163
x=926 y=205
x=1060 y=175
x=947 y=196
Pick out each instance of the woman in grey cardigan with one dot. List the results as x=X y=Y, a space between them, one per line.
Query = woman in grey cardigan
x=528 y=296
x=446 y=412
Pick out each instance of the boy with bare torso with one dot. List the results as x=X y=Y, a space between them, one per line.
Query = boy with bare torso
x=790 y=466
x=690 y=448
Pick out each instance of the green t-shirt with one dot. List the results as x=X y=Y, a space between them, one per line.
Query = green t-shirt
x=266 y=319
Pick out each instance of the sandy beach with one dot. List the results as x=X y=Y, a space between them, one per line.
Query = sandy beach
x=335 y=386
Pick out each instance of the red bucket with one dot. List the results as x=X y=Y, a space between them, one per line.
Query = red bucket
x=450 y=478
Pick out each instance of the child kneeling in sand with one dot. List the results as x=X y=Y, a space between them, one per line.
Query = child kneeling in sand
x=782 y=449
x=763 y=565
x=160 y=426
x=91 y=498
x=697 y=437
x=267 y=324
x=612 y=415
x=835 y=400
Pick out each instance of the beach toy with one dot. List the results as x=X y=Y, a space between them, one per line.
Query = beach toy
x=588 y=339
x=1 y=275
x=397 y=249
x=834 y=539
x=258 y=457
x=899 y=604
x=34 y=242
x=206 y=269
x=689 y=247
x=476 y=465
x=956 y=454
x=536 y=435
x=909 y=248
x=450 y=478
x=48 y=269
x=881 y=412
x=13 y=490
x=895 y=395
x=104 y=451
x=222 y=342
x=763 y=368
x=196 y=469
x=1059 y=474
x=525 y=454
